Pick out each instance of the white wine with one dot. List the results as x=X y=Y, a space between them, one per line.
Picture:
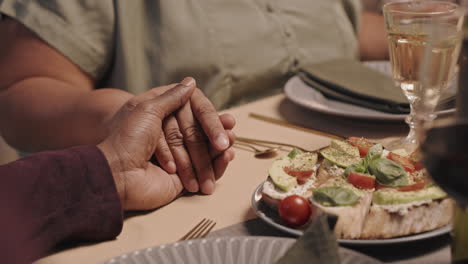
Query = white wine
x=407 y=47
x=424 y=39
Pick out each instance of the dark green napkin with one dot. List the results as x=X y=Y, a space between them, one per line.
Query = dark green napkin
x=352 y=82
x=317 y=245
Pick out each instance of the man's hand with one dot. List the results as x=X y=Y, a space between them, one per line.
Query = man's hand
x=141 y=184
x=194 y=140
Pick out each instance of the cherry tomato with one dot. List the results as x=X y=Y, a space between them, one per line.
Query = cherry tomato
x=403 y=161
x=301 y=176
x=413 y=187
x=294 y=210
x=362 y=144
x=361 y=180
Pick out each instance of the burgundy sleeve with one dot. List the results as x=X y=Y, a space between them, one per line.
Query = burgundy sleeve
x=53 y=197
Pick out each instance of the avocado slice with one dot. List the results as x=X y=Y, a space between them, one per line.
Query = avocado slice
x=345 y=147
x=279 y=177
x=385 y=197
x=339 y=158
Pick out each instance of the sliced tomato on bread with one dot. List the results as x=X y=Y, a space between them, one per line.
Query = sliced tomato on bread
x=363 y=181
x=413 y=187
x=403 y=161
x=362 y=144
x=301 y=176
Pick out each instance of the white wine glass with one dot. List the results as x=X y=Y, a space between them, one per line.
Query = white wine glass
x=409 y=26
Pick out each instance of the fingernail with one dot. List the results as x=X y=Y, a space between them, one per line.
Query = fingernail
x=208 y=187
x=232 y=155
x=193 y=185
x=188 y=81
x=171 y=166
x=222 y=141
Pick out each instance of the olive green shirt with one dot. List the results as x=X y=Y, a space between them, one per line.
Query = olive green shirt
x=236 y=49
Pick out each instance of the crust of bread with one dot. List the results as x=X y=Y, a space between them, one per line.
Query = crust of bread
x=350 y=218
x=322 y=176
x=380 y=223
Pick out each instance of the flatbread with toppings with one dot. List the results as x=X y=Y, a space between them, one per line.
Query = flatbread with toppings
x=375 y=193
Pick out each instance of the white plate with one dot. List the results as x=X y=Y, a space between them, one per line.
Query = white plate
x=226 y=250
x=271 y=217
x=300 y=93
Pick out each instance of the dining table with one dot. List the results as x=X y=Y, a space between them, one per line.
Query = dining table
x=230 y=205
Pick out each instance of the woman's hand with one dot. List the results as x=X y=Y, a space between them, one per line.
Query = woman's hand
x=135 y=137
x=194 y=139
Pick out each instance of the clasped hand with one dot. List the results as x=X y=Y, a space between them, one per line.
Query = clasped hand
x=178 y=125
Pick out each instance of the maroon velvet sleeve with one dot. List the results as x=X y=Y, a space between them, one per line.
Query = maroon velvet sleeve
x=52 y=197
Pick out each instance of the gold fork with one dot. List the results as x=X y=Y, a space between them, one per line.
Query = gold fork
x=257 y=141
x=201 y=230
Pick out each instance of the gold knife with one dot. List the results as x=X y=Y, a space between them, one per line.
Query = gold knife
x=286 y=124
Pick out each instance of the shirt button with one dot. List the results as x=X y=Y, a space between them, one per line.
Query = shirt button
x=295 y=62
x=269 y=8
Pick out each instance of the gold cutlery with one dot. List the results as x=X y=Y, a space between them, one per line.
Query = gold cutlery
x=256 y=141
x=201 y=230
x=286 y=124
x=259 y=153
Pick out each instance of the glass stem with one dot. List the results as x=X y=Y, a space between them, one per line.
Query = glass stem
x=411 y=121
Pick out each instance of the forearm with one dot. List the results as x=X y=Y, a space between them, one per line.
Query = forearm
x=52 y=197
x=43 y=113
x=372 y=37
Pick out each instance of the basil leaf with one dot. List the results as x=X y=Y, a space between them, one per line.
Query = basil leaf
x=355 y=168
x=294 y=152
x=335 y=196
x=388 y=172
x=374 y=153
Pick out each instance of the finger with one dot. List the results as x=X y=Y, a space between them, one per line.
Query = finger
x=228 y=121
x=221 y=162
x=152 y=189
x=163 y=154
x=183 y=162
x=166 y=103
x=148 y=115
x=150 y=94
x=206 y=115
x=196 y=143
x=215 y=153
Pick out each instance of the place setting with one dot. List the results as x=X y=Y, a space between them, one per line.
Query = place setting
x=354 y=192
x=302 y=91
x=334 y=87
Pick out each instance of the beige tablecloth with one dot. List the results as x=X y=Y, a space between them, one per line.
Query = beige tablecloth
x=230 y=204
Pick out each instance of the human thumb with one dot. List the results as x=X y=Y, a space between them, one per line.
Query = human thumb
x=172 y=99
